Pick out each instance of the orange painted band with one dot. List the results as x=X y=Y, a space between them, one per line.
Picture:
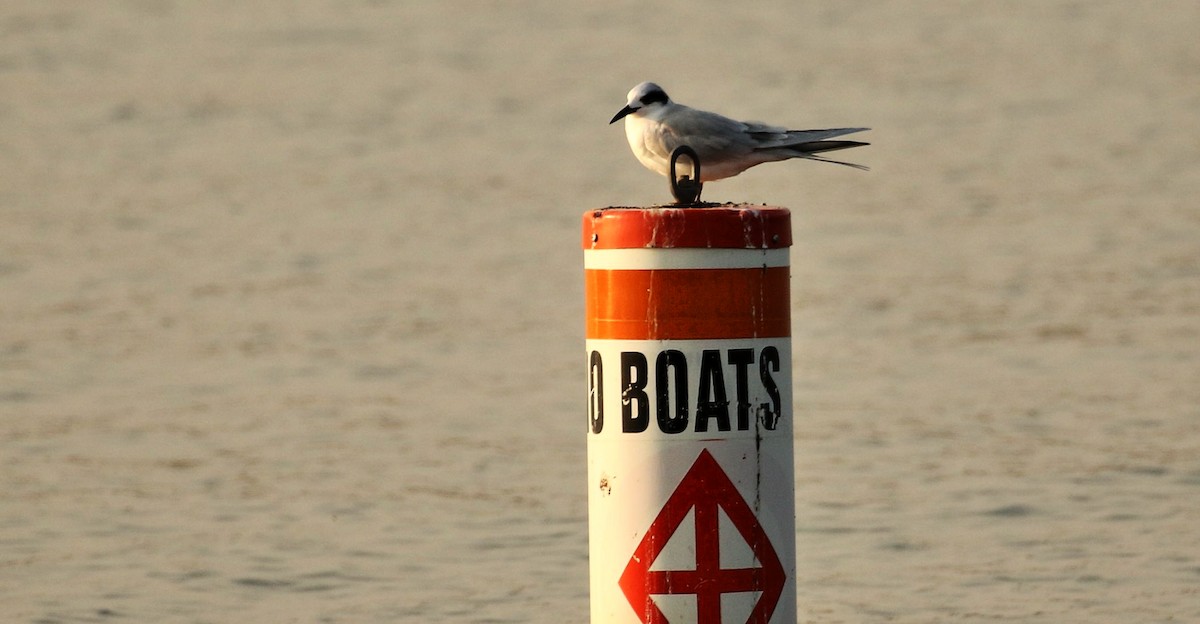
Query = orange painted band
x=732 y=226
x=688 y=304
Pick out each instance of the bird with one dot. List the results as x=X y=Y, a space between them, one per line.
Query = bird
x=656 y=125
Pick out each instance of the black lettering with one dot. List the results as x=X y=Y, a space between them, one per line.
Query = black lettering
x=596 y=392
x=633 y=391
x=712 y=401
x=742 y=359
x=668 y=422
x=770 y=413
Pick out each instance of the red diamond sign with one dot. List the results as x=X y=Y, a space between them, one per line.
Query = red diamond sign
x=704 y=488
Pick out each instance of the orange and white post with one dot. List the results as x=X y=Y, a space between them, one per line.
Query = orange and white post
x=690 y=455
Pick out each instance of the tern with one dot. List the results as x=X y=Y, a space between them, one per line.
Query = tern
x=656 y=125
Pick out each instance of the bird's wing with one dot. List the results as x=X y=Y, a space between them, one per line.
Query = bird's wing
x=770 y=137
x=717 y=138
x=714 y=137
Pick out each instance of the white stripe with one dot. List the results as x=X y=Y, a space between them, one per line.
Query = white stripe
x=684 y=258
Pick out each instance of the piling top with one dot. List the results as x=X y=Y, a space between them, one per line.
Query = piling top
x=728 y=226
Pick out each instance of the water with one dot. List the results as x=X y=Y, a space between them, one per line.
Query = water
x=291 y=304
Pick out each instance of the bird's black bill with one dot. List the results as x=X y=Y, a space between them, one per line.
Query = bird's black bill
x=621 y=113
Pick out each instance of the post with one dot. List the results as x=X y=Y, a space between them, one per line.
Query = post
x=690 y=473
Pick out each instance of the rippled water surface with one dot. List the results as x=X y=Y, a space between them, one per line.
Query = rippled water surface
x=291 y=302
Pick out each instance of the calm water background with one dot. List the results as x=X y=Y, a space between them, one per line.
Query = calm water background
x=291 y=309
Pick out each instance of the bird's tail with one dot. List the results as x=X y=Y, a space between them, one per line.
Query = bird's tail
x=807 y=143
x=810 y=149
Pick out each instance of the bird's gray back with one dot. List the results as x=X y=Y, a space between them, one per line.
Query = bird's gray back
x=713 y=136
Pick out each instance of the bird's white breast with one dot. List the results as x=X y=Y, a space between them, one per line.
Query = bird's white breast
x=646 y=142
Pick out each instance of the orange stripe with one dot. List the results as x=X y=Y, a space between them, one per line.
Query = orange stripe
x=688 y=304
x=732 y=226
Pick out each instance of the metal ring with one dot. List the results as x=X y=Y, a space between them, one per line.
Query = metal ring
x=687 y=191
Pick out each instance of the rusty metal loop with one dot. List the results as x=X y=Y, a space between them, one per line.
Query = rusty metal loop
x=686 y=190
